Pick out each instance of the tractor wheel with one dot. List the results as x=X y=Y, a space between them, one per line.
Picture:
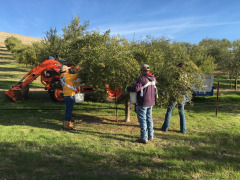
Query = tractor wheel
x=56 y=94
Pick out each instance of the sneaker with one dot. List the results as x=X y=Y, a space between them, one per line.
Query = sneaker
x=141 y=141
x=150 y=139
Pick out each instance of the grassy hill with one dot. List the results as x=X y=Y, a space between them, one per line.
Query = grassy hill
x=24 y=39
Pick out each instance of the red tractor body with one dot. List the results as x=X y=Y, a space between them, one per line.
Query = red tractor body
x=50 y=78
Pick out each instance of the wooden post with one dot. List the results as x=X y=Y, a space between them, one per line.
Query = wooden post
x=217 y=98
x=127 y=110
x=116 y=104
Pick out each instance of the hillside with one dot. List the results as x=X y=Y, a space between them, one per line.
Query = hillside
x=24 y=39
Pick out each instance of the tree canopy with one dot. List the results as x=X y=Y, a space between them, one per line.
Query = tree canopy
x=113 y=60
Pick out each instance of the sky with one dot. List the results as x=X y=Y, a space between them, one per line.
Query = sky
x=179 y=20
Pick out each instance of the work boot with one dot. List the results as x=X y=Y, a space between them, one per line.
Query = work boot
x=72 y=124
x=68 y=125
x=142 y=141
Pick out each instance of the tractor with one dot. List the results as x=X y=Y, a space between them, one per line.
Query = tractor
x=50 y=78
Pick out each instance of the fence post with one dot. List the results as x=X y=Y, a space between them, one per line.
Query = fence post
x=217 y=98
x=116 y=104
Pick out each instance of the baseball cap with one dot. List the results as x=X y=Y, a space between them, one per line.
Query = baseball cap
x=145 y=67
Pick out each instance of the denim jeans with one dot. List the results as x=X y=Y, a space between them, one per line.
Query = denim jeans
x=69 y=102
x=144 y=114
x=181 y=114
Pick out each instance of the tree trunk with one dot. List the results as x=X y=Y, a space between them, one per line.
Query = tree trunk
x=230 y=83
x=236 y=79
x=127 y=111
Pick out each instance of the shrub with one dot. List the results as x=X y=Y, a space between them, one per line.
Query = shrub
x=12 y=43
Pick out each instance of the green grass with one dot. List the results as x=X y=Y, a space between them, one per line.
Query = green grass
x=224 y=81
x=34 y=146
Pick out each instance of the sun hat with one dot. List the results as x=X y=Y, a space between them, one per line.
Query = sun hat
x=145 y=67
x=64 y=68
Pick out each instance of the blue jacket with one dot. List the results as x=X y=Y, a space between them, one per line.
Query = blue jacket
x=148 y=98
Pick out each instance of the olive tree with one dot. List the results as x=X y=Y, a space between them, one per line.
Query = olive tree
x=12 y=43
x=232 y=62
x=163 y=57
x=105 y=60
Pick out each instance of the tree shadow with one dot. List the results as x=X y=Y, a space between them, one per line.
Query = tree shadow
x=53 y=119
x=7 y=58
x=196 y=152
x=9 y=76
x=31 y=160
x=218 y=147
x=4 y=54
x=3 y=49
x=103 y=120
x=8 y=70
x=226 y=104
x=7 y=84
x=205 y=152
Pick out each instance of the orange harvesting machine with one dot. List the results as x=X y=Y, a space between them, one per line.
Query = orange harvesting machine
x=49 y=71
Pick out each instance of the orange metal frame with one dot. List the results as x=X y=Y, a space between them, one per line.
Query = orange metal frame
x=52 y=65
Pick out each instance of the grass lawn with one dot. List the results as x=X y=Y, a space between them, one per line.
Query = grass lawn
x=34 y=146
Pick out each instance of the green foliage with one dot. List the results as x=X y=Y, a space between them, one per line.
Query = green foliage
x=115 y=61
x=74 y=29
x=234 y=69
x=53 y=44
x=105 y=61
x=163 y=57
x=216 y=48
x=12 y=43
x=204 y=61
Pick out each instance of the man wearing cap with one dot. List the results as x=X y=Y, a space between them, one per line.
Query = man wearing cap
x=68 y=93
x=145 y=88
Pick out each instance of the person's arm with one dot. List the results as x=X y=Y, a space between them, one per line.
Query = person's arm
x=137 y=87
x=72 y=76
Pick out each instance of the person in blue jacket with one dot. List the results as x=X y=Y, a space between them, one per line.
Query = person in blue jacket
x=145 y=88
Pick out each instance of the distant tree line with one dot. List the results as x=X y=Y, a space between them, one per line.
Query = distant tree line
x=116 y=61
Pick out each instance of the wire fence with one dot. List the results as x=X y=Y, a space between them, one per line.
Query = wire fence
x=213 y=104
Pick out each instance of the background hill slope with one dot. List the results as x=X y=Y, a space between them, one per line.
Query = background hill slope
x=24 y=39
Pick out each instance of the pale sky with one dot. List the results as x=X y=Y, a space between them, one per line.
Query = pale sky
x=180 y=20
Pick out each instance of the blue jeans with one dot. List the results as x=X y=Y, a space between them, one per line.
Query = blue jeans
x=144 y=114
x=181 y=114
x=69 y=102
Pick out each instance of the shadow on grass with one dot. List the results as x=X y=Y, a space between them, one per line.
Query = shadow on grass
x=207 y=152
x=202 y=153
x=4 y=53
x=7 y=58
x=28 y=159
x=7 y=84
x=9 y=76
x=34 y=118
x=4 y=50
x=4 y=63
x=53 y=119
x=228 y=102
x=9 y=70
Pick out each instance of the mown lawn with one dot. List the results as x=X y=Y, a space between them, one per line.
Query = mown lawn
x=34 y=146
